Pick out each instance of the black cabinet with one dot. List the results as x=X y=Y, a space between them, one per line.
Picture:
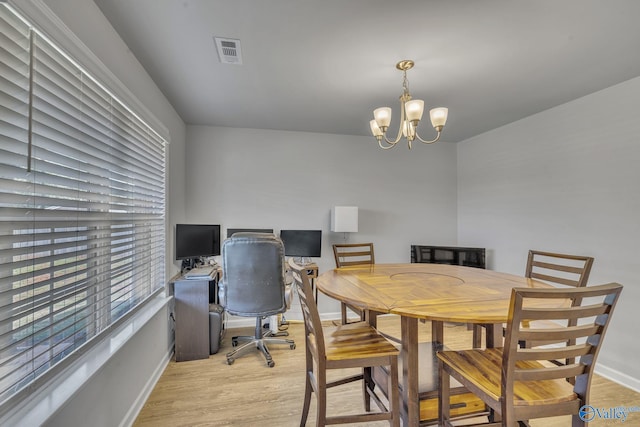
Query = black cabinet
x=453 y=255
x=192 y=299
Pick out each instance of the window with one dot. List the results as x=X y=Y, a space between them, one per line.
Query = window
x=82 y=203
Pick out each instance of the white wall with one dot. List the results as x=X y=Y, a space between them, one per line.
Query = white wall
x=565 y=180
x=245 y=178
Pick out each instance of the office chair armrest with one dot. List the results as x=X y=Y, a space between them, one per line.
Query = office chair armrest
x=222 y=293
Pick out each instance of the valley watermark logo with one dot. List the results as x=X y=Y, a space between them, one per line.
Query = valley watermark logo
x=589 y=413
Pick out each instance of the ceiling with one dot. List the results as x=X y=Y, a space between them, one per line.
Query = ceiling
x=324 y=65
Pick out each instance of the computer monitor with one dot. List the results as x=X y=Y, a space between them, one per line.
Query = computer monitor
x=195 y=241
x=232 y=231
x=302 y=243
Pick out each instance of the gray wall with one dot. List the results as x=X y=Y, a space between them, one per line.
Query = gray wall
x=564 y=180
x=244 y=178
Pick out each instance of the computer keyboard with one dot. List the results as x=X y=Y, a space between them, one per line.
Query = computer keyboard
x=199 y=273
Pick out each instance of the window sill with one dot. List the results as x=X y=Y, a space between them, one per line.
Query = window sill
x=37 y=408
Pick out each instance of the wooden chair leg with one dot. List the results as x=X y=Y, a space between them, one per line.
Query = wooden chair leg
x=394 y=395
x=576 y=421
x=443 y=396
x=494 y=335
x=307 y=400
x=321 y=397
x=477 y=336
x=367 y=386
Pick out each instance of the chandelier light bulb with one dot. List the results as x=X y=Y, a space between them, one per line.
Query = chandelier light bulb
x=375 y=129
x=383 y=117
x=414 y=109
x=439 y=117
x=408 y=130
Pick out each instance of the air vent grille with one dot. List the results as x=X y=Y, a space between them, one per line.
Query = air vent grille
x=229 y=50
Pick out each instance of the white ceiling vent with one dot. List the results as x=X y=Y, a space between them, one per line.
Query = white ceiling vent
x=229 y=50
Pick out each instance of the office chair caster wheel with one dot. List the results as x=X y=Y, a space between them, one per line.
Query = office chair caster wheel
x=234 y=343
x=292 y=346
x=271 y=363
x=230 y=360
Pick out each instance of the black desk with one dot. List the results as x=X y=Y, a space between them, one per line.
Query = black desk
x=192 y=299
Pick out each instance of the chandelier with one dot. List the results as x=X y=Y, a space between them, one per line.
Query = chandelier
x=410 y=114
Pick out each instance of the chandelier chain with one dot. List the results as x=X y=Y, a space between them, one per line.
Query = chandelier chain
x=405 y=83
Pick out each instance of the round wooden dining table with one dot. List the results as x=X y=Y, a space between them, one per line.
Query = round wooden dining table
x=435 y=292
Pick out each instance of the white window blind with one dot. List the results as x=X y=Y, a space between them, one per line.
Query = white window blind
x=82 y=202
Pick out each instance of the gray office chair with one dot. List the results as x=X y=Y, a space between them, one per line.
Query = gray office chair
x=253 y=285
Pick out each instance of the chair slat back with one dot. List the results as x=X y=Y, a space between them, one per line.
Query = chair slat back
x=588 y=323
x=562 y=269
x=314 y=335
x=347 y=254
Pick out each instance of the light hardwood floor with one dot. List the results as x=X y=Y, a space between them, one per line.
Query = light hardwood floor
x=248 y=393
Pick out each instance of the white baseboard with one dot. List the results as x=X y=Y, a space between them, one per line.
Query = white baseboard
x=618 y=377
x=139 y=402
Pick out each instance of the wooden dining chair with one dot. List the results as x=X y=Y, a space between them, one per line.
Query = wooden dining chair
x=561 y=269
x=355 y=345
x=519 y=383
x=554 y=268
x=558 y=269
x=349 y=254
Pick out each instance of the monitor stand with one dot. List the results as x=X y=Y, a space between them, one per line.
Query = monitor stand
x=189 y=263
x=302 y=261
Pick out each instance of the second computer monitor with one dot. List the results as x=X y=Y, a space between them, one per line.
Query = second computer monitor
x=302 y=243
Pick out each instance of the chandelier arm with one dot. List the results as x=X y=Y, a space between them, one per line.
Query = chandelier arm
x=428 y=142
x=393 y=142
x=402 y=118
x=387 y=147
